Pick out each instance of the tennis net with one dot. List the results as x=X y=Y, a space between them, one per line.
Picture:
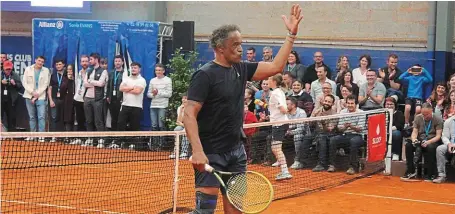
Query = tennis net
x=148 y=172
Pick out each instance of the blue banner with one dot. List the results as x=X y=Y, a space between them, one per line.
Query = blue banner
x=69 y=39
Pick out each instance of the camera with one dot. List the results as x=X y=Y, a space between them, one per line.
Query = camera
x=452 y=150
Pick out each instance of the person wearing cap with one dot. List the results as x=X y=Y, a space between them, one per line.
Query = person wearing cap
x=11 y=84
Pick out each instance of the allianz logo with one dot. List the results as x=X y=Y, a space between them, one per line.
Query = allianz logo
x=58 y=24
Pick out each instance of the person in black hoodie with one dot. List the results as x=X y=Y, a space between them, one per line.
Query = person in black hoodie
x=10 y=85
x=113 y=94
x=397 y=128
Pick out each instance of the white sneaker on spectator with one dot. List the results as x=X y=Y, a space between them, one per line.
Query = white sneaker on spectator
x=276 y=164
x=114 y=146
x=172 y=156
x=132 y=146
x=88 y=142
x=41 y=140
x=75 y=142
x=406 y=125
x=29 y=139
x=296 y=165
x=395 y=157
x=184 y=155
x=53 y=140
x=100 y=144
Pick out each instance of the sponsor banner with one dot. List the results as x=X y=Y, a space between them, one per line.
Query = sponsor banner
x=377 y=138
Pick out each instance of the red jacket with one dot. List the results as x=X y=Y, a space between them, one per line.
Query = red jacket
x=249 y=118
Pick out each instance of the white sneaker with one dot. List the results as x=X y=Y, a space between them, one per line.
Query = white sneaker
x=41 y=140
x=296 y=165
x=113 y=146
x=75 y=142
x=395 y=157
x=29 y=139
x=132 y=146
x=276 y=164
x=88 y=142
x=184 y=155
x=53 y=140
x=100 y=144
x=172 y=156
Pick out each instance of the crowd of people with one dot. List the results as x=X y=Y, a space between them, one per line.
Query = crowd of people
x=82 y=98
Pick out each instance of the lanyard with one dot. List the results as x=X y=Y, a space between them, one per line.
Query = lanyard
x=427 y=129
x=115 y=79
x=59 y=80
x=37 y=79
x=290 y=67
x=81 y=80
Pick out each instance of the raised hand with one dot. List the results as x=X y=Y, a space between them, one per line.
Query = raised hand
x=292 y=23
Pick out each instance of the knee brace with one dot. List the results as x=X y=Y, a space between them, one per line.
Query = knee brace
x=205 y=203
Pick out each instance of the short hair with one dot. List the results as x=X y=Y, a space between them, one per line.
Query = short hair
x=349 y=88
x=392 y=55
x=427 y=106
x=367 y=57
x=293 y=100
x=288 y=73
x=136 y=64
x=159 y=65
x=331 y=96
x=103 y=61
x=3 y=53
x=252 y=49
x=95 y=56
x=221 y=34
x=352 y=97
x=325 y=69
x=267 y=48
x=84 y=56
x=391 y=99
x=184 y=94
x=118 y=57
x=59 y=60
x=371 y=70
x=41 y=57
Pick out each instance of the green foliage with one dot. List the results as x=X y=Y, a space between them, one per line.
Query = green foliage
x=182 y=65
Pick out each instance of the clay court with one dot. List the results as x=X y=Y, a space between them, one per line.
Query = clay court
x=58 y=178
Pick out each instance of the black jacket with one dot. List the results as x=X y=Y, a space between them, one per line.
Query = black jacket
x=13 y=90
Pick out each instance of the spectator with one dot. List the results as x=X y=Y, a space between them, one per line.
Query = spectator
x=251 y=54
x=345 y=92
x=311 y=72
x=160 y=90
x=278 y=112
x=371 y=93
x=449 y=110
x=451 y=83
x=326 y=90
x=351 y=127
x=11 y=86
x=287 y=80
x=416 y=77
x=447 y=148
x=68 y=103
x=359 y=75
x=304 y=100
x=103 y=63
x=57 y=92
x=294 y=66
x=316 y=85
x=35 y=81
x=346 y=80
x=389 y=76
x=438 y=98
x=248 y=117
x=184 y=153
x=263 y=96
x=298 y=130
x=397 y=128
x=425 y=138
x=249 y=99
x=114 y=95
x=3 y=58
x=267 y=54
x=342 y=66
x=79 y=94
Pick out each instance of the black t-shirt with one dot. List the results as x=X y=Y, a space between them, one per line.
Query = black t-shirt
x=222 y=92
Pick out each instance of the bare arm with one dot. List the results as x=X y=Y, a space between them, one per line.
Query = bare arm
x=190 y=122
x=395 y=85
x=125 y=88
x=435 y=138
x=49 y=94
x=137 y=90
x=377 y=99
x=414 y=134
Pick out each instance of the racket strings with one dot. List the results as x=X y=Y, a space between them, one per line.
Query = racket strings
x=249 y=192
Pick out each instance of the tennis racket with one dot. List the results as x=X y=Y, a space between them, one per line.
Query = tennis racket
x=249 y=192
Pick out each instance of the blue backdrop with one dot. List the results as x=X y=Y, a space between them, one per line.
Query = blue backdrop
x=69 y=39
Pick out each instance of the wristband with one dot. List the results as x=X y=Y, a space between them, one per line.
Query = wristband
x=291 y=34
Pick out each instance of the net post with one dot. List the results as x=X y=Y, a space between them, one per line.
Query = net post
x=388 y=158
x=176 y=171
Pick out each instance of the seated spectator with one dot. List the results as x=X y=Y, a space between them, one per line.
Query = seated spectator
x=316 y=86
x=372 y=93
x=438 y=98
x=359 y=75
x=449 y=110
x=425 y=138
x=296 y=130
x=397 y=128
x=248 y=117
x=342 y=66
x=326 y=90
x=346 y=80
x=351 y=127
x=304 y=100
x=184 y=153
x=416 y=77
x=294 y=66
x=389 y=76
x=287 y=79
x=451 y=83
x=249 y=99
x=311 y=72
x=345 y=92
x=446 y=149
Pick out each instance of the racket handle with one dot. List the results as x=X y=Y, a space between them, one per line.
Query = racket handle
x=208 y=168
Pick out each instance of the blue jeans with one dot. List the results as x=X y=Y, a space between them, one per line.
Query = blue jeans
x=37 y=110
x=184 y=140
x=397 y=142
x=157 y=116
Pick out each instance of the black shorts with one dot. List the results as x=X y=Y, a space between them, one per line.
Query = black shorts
x=279 y=132
x=413 y=102
x=232 y=161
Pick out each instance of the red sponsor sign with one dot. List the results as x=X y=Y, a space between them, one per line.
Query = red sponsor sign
x=377 y=138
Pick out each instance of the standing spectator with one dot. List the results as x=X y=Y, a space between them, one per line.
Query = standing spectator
x=397 y=128
x=298 y=131
x=287 y=82
x=57 y=92
x=160 y=90
x=133 y=95
x=316 y=85
x=438 y=98
x=35 y=81
x=311 y=72
x=346 y=80
x=342 y=66
x=295 y=67
x=372 y=93
x=251 y=54
x=425 y=138
x=79 y=94
x=304 y=100
x=416 y=77
x=359 y=75
x=10 y=86
x=447 y=148
x=3 y=58
x=449 y=110
x=267 y=54
x=114 y=96
x=94 y=83
x=68 y=109
x=389 y=76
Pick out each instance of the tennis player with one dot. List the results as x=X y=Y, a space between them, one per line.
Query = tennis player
x=214 y=112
